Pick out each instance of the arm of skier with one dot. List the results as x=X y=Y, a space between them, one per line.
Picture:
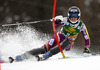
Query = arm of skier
x=86 y=38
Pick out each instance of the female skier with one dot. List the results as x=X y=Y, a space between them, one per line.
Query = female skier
x=71 y=27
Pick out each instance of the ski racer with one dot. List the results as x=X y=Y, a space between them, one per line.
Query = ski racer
x=71 y=27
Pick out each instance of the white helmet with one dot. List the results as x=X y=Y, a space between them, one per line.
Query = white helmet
x=74 y=12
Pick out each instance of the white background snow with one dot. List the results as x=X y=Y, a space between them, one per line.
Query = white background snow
x=26 y=38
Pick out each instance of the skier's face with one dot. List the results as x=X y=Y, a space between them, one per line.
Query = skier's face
x=73 y=19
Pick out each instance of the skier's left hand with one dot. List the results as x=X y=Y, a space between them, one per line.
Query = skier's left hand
x=86 y=50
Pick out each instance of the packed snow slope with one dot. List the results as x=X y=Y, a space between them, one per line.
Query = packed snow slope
x=77 y=63
x=24 y=38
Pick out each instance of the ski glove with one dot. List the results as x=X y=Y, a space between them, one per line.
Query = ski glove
x=57 y=21
x=86 y=50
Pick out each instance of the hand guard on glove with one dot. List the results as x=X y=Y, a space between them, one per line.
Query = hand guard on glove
x=86 y=50
x=58 y=19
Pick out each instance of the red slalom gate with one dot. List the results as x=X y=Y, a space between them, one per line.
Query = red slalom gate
x=54 y=7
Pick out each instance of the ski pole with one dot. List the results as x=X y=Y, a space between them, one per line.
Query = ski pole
x=17 y=23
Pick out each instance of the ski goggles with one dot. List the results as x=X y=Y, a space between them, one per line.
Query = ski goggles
x=75 y=15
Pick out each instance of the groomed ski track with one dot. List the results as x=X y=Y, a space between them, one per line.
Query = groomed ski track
x=87 y=63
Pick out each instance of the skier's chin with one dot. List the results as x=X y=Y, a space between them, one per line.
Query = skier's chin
x=73 y=22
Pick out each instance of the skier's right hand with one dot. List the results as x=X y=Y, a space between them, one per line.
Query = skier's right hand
x=86 y=50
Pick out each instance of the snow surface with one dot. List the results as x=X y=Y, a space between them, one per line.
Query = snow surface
x=25 y=38
x=88 y=63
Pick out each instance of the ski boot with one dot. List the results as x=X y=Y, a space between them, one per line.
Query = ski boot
x=17 y=58
x=44 y=56
x=20 y=57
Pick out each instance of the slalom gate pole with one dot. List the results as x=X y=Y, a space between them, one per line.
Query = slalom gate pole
x=17 y=23
x=55 y=29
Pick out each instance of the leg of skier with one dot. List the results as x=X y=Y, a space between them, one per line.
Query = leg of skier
x=54 y=50
x=50 y=44
x=70 y=46
x=66 y=44
x=28 y=54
